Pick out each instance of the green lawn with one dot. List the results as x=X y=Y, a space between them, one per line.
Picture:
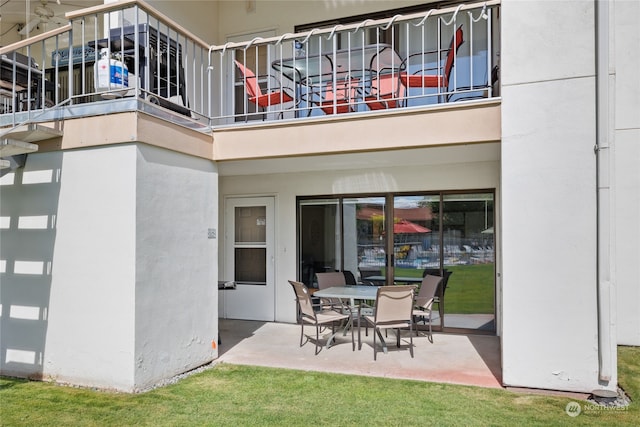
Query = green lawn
x=470 y=289
x=242 y=396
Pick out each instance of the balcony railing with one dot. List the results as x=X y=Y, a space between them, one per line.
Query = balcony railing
x=127 y=56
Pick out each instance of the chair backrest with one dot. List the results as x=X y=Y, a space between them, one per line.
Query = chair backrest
x=250 y=80
x=456 y=41
x=369 y=271
x=349 y=278
x=436 y=272
x=327 y=280
x=427 y=290
x=394 y=304
x=304 y=299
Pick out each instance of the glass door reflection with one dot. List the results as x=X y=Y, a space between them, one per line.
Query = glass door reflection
x=365 y=238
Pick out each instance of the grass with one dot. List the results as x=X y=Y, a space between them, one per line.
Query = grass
x=253 y=396
x=470 y=289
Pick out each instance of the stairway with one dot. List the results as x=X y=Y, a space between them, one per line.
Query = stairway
x=17 y=142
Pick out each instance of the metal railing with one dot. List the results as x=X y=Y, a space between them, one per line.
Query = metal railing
x=128 y=56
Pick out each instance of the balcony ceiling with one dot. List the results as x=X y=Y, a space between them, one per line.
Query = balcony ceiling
x=14 y=12
x=487 y=152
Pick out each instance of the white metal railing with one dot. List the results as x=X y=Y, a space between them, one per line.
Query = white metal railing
x=109 y=58
x=127 y=55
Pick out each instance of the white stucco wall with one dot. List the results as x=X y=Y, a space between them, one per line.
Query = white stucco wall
x=283 y=15
x=200 y=17
x=549 y=196
x=176 y=264
x=84 y=291
x=108 y=278
x=286 y=186
x=625 y=174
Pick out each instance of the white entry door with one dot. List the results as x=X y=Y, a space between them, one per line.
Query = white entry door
x=249 y=259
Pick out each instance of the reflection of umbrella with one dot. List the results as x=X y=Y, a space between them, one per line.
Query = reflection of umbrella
x=408 y=227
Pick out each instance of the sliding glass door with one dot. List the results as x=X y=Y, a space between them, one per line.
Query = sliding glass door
x=365 y=238
x=469 y=261
x=398 y=238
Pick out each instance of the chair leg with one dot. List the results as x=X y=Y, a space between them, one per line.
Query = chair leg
x=301 y=332
x=353 y=343
x=410 y=340
x=374 y=344
x=317 y=338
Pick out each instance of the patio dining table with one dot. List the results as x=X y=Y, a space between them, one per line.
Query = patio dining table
x=313 y=75
x=355 y=63
x=352 y=293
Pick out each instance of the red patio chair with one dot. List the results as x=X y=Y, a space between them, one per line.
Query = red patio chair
x=254 y=91
x=344 y=93
x=384 y=93
x=418 y=79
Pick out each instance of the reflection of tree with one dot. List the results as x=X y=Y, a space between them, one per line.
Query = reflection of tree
x=377 y=225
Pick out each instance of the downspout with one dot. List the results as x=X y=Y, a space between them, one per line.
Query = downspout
x=603 y=240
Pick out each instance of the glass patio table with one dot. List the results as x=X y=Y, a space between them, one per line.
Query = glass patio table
x=353 y=293
x=351 y=69
x=352 y=63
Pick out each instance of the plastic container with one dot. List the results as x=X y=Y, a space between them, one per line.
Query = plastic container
x=110 y=74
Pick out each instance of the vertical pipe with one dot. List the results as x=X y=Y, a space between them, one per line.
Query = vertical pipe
x=603 y=267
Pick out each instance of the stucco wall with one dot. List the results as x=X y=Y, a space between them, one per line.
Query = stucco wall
x=200 y=17
x=70 y=267
x=284 y=15
x=176 y=264
x=108 y=278
x=358 y=179
x=625 y=158
x=549 y=195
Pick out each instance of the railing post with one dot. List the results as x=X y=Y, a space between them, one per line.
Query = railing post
x=70 y=66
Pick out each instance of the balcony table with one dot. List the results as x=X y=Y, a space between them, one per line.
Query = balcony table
x=313 y=74
x=352 y=63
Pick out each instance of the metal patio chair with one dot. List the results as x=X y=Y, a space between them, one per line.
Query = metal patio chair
x=423 y=303
x=393 y=310
x=324 y=317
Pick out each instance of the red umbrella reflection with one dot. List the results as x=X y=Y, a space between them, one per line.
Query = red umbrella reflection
x=408 y=227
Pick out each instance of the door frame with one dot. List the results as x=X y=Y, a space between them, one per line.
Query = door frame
x=228 y=259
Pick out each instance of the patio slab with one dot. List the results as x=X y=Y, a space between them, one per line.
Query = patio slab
x=456 y=359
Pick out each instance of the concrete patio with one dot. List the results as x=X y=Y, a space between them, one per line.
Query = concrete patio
x=457 y=359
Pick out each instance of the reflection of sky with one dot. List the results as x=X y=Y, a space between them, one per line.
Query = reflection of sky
x=401 y=202
x=407 y=202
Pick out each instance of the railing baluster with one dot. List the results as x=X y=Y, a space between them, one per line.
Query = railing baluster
x=170 y=61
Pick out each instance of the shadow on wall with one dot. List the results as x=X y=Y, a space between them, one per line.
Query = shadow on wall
x=28 y=213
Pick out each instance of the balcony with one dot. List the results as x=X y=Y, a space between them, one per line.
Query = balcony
x=128 y=57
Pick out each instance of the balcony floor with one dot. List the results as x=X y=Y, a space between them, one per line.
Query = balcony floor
x=457 y=359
